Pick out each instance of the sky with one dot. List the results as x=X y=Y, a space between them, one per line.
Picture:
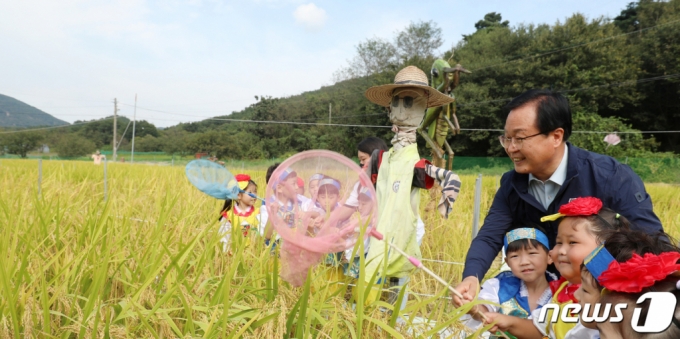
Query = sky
x=194 y=59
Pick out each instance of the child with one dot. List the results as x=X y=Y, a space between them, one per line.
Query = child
x=314 y=185
x=581 y=229
x=297 y=212
x=286 y=191
x=352 y=265
x=628 y=264
x=365 y=198
x=525 y=288
x=243 y=213
x=286 y=200
x=665 y=314
x=363 y=215
x=327 y=200
x=328 y=195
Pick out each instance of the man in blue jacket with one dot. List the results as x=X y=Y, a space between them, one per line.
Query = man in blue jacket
x=549 y=171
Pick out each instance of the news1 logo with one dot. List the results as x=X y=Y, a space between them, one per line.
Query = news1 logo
x=659 y=316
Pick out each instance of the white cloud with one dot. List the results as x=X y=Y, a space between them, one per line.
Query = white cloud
x=310 y=16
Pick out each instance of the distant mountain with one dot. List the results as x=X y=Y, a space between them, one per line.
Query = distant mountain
x=14 y=113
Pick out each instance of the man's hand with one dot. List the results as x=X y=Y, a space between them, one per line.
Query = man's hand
x=468 y=289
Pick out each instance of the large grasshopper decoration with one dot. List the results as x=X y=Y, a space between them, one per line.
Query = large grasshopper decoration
x=440 y=120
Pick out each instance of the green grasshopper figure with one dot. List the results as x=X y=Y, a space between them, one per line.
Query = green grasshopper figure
x=439 y=120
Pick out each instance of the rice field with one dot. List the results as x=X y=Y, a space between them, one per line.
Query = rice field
x=144 y=261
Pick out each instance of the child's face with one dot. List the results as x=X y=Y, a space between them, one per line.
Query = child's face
x=313 y=188
x=588 y=293
x=247 y=199
x=364 y=159
x=288 y=188
x=365 y=207
x=622 y=329
x=327 y=200
x=529 y=263
x=572 y=245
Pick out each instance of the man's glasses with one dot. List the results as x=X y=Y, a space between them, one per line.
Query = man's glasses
x=506 y=142
x=408 y=101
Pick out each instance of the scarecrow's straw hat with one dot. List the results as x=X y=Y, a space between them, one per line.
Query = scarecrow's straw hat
x=410 y=76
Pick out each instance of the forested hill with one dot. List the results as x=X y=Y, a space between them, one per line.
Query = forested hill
x=294 y=123
x=15 y=113
x=620 y=74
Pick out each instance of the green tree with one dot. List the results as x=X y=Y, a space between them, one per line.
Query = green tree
x=211 y=142
x=72 y=145
x=506 y=62
x=658 y=49
x=374 y=55
x=174 y=141
x=21 y=143
x=492 y=19
x=419 y=39
x=148 y=143
x=632 y=144
x=142 y=128
x=627 y=21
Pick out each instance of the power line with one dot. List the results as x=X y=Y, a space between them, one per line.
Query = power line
x=614 y=84
x=374 y=126
x=325 y=124
x=527 y=56
x=344 y=116
x=149 y=109
x=475 y=103
x=624 y=83
x=258 y=121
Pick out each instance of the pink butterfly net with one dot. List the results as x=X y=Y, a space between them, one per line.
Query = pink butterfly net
x=338 y=206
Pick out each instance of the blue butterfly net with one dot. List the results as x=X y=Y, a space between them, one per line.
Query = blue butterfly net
x=212 y=179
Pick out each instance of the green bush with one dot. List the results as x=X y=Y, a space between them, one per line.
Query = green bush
x=73 y=145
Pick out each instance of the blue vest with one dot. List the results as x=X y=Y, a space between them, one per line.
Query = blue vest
x=509 y=297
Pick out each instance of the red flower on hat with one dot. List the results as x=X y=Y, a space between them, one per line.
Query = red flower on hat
x=242 y=177
x=639 y=272
x=581 y=207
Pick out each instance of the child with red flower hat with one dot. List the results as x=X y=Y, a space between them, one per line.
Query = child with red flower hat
x=629 y=264
x=243 y=213
x=583 y=226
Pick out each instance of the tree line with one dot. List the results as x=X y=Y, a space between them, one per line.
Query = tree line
x=620 y=74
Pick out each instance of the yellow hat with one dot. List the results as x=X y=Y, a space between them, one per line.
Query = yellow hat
x=243 y=180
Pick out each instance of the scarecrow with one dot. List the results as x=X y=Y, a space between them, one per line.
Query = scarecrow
x=400 y=173
x=98 y=157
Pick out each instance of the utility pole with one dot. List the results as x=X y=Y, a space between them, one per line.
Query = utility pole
x=134 y=122
x=329 y=113
x=115 y=124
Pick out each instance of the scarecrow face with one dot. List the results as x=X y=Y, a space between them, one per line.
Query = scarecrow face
x=408 y=106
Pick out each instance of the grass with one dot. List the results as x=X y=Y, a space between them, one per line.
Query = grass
x=146 y=262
